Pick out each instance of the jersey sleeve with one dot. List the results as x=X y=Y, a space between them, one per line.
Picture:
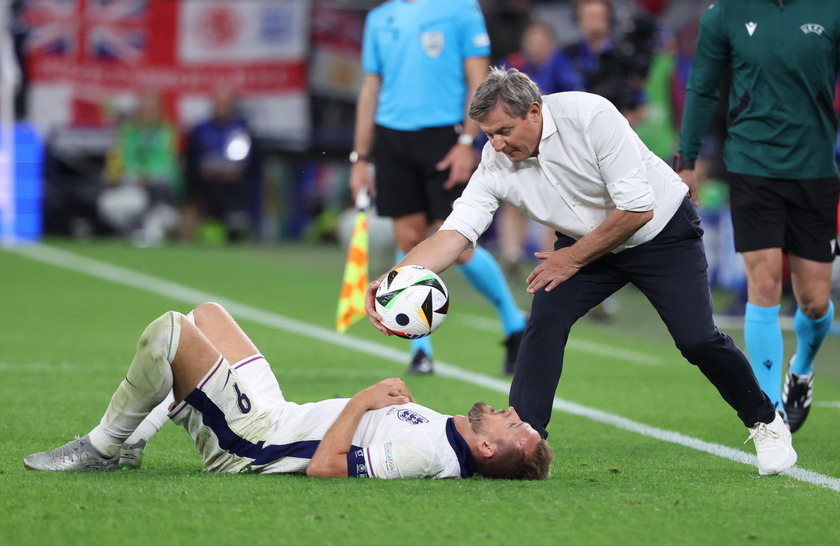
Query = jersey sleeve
x=620 y=160
x=708 y=66
x=371 y=63
x=474 y=39
x=473 y=212
x=407 y=456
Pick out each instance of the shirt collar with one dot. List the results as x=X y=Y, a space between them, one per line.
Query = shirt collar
x=461 y=449
x=549 y=127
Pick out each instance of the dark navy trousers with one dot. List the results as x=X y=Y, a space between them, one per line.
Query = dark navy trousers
x=671 y=271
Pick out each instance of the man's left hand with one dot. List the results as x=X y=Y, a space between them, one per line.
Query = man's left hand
x=461 y=163
x=555 y=268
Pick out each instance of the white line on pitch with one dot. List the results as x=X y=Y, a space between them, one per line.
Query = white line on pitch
x=141 y=281
x=483 y=323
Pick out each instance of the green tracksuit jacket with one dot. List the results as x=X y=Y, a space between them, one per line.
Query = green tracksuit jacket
x=784 y=57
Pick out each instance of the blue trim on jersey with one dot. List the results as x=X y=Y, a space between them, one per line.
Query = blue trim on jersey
x=213 y=417
x=357 y=466
x=461 y=449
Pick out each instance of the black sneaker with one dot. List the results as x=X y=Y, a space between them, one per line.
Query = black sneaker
x=421 y=363
x=511 y=351
x=796 y=398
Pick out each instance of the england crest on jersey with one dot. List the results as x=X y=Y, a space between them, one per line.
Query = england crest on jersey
x=812 y=27
x=433 y=42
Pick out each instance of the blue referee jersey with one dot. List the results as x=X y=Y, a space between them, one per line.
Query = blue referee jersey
x=418 y=49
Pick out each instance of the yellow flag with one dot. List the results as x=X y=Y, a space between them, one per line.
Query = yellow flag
x=351 y=304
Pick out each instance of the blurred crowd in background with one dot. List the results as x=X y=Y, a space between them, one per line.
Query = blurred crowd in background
x=232 y=121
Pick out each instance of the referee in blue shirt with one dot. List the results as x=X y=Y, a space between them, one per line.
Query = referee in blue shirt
x=423 y=59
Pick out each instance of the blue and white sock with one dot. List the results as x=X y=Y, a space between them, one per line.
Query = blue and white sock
x=484 y=273
x=765 y=347
x=810 y=334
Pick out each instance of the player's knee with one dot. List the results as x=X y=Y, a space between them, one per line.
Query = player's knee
x=814 y=308
x=207 y=311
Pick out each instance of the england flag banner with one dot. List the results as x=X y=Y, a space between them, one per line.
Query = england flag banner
x=86 y=58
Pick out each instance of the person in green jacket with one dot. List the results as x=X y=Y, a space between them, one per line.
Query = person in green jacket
x=784 y=58
x=143 y=175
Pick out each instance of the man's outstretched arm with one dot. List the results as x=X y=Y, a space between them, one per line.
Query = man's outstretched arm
x=330 y=459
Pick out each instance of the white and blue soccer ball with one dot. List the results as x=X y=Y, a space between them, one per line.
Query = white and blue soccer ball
x=412 y=301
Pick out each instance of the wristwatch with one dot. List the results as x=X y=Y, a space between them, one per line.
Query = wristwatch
x=355 y=157
x=681 y=164
x=466 y=139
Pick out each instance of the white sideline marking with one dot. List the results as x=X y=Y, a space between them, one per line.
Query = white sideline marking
x=35 y=367
x=141 y=281
x=479 y=322
x=833 y=405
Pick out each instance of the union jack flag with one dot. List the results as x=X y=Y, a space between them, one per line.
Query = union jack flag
x=109 y=30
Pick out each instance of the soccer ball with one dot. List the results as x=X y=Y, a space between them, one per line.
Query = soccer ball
x=412 y=301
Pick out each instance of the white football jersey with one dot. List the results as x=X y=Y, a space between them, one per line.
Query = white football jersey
x=240 y=421
x=406 y=441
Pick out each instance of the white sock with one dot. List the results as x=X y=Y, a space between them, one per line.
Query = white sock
x=148 y=381
x=153 y=422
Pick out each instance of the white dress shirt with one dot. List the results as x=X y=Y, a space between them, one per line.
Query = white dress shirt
x=590 y=163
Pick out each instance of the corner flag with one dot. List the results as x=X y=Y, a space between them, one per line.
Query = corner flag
x=351 y=304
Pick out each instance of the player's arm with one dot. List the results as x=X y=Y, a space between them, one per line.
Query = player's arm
x=436 y=253
x=562 y=264
x=330 y=459
x=461 y=158
x=364 y=133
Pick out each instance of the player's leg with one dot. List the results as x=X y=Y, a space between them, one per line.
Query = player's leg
x=541 y=355
x=241 y=353
x=811 y=240
x=812 y=287
x=222 y=331
x=759 y=215
x=671 y=271
x=484 y=274
x=814 y=315
x=148 y=381
x=762 y=331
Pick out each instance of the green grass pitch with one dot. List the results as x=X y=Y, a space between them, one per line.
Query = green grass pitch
x=68 y=331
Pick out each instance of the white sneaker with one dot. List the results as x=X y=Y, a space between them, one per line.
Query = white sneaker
x=773 y=446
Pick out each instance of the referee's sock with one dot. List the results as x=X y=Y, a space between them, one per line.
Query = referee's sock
x=484 y=273
x=765 y=347
x=810 y=334
x=147 y=383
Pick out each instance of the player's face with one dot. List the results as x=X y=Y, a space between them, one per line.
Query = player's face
x=517 y=138
x=504 y=425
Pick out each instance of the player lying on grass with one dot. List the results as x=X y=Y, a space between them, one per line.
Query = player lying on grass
x=240 y=421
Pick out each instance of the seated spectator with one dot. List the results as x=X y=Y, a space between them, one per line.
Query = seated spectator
x=142 y=175
x=220 y=167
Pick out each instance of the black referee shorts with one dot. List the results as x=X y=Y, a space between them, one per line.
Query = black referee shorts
x=407 y=179
x=798 y=216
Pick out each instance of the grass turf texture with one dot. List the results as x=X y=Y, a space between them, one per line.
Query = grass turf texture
x=67 y=339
